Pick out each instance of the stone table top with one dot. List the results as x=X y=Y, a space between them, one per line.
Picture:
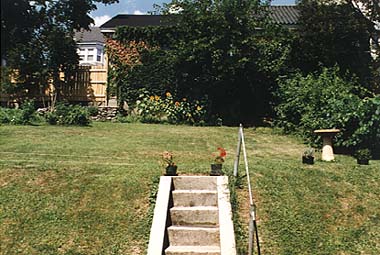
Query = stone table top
x=324 y=132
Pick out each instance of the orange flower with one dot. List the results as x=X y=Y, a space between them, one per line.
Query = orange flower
x=156 y=98
x=176 y=103
x=151 y=98
x=168 y=94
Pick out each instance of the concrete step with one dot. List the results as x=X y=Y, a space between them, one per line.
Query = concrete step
x=194 y=183
x=194 y=216
x=193 y=250
x=195 y=198
x=193 y=236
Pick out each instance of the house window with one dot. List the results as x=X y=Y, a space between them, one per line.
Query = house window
x=90 y=55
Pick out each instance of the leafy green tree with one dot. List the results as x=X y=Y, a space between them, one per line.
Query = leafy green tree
x=334 y=33
x=37 y=40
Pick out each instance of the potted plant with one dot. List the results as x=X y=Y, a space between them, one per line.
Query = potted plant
x=363 y=156
x=216 y=167
x=308 y=156
x=170 y=166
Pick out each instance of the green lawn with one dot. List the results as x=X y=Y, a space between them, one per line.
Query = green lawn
x=75 y=190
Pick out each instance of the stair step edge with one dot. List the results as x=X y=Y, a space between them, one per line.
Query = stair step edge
x=195 y=228
x=193 y=248
x=200 y=191
x=194 y=208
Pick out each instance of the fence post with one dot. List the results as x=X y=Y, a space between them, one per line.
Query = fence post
x=236 y=163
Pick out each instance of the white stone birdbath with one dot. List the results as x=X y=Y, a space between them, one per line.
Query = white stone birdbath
x=327 y=148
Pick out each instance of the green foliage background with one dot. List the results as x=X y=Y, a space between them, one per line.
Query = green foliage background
x=328 y=100
x=214 y=49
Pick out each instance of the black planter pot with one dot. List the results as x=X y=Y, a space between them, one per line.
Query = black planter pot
x=216 y=170
x=308 y=160
x=363 y=161
x=171 y=171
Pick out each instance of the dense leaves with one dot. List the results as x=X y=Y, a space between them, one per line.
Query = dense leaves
x=333 y=33
x=68 y=115
x=328 y=100
x=227 y=50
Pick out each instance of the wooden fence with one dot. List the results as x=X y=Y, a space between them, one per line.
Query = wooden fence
x=88 y=84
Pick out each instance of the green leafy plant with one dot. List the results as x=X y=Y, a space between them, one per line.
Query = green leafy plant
x=92 y=110
x=25 y=115
x=308 y=153
x=167 y=158
x=10 y=116
x=68 y=115
x=325 y=100
x=363 y=154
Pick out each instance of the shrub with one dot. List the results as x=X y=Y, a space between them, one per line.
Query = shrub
x=23 y=116
x=329 y=101
x=68 y=115
x=28 y=113
x=92 y=110
x=367 y=133
x=10 y=116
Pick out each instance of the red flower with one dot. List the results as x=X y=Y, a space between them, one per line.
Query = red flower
x=222 y=152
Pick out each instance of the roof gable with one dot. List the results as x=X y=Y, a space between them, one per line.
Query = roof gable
x=92 y=35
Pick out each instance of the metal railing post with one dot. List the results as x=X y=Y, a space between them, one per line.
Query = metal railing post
x=253 y=231
x=237 y=158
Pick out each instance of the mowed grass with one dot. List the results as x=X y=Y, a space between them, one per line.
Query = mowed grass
x=75 y=190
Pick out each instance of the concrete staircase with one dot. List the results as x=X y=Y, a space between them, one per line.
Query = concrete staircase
x=194 y=217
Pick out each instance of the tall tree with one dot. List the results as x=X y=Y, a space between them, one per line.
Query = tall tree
x=337 y=32
x=230 y=51
x=37 y=39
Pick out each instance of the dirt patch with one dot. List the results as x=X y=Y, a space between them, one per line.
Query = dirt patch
x=43 y=179
x=10 y=176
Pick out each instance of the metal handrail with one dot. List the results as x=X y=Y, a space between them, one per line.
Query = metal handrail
x=252 y=223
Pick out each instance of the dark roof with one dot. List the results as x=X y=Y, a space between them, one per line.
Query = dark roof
x=284 y=14
x=92 y=35
x=281 y=14
x=132 y=20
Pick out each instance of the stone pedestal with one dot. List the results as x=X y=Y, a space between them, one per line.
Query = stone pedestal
x=327 y=148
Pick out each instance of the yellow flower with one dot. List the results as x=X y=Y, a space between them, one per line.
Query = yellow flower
x=168 y=94
x=199 y=108
x=151 y=98
x=157 y=98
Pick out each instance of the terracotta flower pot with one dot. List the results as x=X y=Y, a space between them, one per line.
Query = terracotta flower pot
x=216 y=170
x=171 y=171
